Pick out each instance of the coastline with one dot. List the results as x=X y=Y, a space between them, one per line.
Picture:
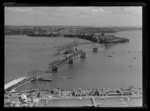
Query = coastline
x=59 y=98
x=83 y=97
x=87 y=33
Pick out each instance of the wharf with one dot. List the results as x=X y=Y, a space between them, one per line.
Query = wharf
x=93 y=101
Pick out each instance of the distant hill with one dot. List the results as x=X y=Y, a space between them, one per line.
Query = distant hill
x=26 y=30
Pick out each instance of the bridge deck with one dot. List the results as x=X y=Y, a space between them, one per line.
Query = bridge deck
x=62 y=61
x=7 y=85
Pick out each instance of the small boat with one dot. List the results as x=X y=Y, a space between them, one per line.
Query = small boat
x=68 y=77
x=130 y=66
x=109 y=56
x=65 y=77
x=44 y=79
x=134 y=57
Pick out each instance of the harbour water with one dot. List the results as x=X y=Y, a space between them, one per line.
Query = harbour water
x=97 y=70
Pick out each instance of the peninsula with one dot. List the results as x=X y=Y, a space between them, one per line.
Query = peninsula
x=94 y=34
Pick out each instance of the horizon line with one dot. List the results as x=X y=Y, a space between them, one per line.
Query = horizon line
x=78 y=25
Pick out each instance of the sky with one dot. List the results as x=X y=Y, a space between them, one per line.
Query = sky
x=74 y=16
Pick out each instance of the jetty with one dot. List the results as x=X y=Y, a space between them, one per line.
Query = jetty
x=93 y=101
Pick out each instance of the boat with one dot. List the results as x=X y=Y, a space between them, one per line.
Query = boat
x=109 y=56
x=44 y=79
x=68 y=77
x=134 y=57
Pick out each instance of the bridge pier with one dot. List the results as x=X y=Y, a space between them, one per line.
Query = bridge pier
x=54 y=69
x=70 y=61
x=95 y=49
x=82 y=55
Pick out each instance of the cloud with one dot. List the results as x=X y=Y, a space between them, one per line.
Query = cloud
x=17 y=9
x=97 y=10
x=121 y=15
x=85 y=16
x=90 y=9
x=135 y=10
x=80 y=12
x=24 y=9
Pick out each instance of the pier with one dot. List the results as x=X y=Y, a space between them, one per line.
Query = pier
x=93 y=101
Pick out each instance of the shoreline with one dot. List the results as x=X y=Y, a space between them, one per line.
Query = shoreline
x=87 y=33
x=122 y=101
x=96 y=97
x=109 y=97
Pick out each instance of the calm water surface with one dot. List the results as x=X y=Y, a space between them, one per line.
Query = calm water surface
x=97 y=70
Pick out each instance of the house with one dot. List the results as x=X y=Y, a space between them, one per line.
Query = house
x=126 y=92
x=113 y=93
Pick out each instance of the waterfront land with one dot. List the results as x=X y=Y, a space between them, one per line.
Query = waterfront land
x=75 y=98
x=23 y=30
x=94 y=34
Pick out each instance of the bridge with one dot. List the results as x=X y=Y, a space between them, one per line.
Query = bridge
x=55 y=64
x=67 y=46
x=16 y=83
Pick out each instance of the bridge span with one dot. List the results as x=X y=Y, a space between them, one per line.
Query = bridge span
x=53 y=66
x=69 y=59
